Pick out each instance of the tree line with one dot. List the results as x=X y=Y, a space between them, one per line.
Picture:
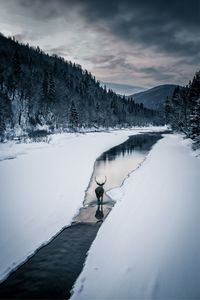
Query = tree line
x=39 y=92
x=182 y=110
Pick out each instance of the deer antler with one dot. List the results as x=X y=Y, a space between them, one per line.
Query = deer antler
x=105 y=180
x=97 y=181
x=102 y=182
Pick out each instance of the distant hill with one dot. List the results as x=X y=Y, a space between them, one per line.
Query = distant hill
x=154 y=98
x=122 y=89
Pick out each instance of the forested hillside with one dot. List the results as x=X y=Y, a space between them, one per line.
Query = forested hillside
x=154 y=98
x=183 y=109
x=39 y=92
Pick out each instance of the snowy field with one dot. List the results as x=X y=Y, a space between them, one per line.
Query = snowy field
x=42 y=187
x=149 y=246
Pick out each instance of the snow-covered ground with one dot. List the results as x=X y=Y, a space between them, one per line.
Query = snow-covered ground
x=42 y=187
x=149 y=246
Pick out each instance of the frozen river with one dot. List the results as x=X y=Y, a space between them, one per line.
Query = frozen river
x=53 y=269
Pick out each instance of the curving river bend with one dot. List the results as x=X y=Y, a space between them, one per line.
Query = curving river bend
x=51 y=272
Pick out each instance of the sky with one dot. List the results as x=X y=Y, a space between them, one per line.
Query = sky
x=139 y=43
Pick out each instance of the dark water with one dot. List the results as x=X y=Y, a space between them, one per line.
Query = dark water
x=51 y=272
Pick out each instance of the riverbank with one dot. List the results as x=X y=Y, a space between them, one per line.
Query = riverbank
x=42 y=188
x=54 y=268
x=149 y=247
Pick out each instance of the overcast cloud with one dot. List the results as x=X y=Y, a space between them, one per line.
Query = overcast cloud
x=139 y=42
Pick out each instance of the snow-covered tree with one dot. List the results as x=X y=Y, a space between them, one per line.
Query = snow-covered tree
x=182 y=109
x=195 y=122
x=41 y=89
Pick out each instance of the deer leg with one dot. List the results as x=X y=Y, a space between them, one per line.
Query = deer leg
x=98 y=200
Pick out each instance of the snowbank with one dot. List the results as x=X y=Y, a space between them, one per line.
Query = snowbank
x=42 y=187
x=149 y=246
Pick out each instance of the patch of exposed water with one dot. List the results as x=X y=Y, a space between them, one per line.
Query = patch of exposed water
x=51 y=272
x=115 y=164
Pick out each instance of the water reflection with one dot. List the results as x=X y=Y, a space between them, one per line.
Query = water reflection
x=142 y=142
x=68 y=254
x=117 y=163
x=99 y=213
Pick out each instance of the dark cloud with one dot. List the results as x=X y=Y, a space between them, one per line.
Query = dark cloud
x=170 y=26
x=44 y=9
x=159 y=74
x=165 y=28
x=185 y=12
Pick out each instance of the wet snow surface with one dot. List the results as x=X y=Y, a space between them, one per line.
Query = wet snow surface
x=52 y=271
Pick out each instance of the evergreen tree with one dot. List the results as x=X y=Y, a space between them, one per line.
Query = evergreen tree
x=1 y=77
x=114 y=106
x=51 y=86
x=168 y=110
x=16 y=65
x=51 y=90
x=182 y=109
x=45 y=86
x=195 y=122
x=73 y=117
x=194 y=89
x=5 y=113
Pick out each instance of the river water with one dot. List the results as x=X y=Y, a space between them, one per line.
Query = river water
x=115 y=164
x=51 y=272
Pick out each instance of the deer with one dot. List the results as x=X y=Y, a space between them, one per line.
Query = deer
x=100 y=190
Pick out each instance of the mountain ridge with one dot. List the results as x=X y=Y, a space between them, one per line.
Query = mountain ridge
x=122 y=88
x=154 y=98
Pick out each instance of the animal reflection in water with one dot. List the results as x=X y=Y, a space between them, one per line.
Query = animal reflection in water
x=99 y=191
x=99 y=213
